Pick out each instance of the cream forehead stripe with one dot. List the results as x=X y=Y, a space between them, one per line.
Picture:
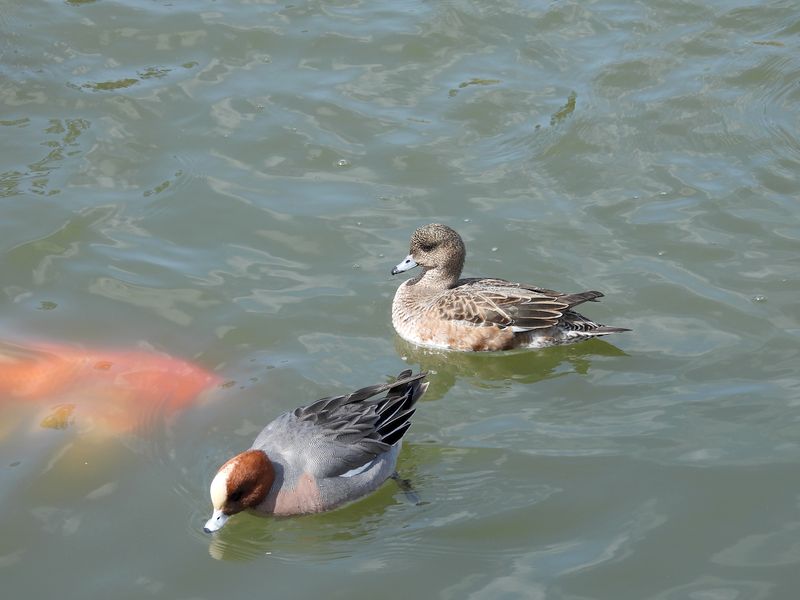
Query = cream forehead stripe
x=219 y=486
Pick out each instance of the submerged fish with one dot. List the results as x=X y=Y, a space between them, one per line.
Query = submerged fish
x=115 y=390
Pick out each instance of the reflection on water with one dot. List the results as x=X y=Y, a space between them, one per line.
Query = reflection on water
x=333 y=534
x=317 y=537
x=63 y=139
x=490 y=369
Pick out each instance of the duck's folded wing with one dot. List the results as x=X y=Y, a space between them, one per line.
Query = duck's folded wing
x=496 y=302
x=342 y=433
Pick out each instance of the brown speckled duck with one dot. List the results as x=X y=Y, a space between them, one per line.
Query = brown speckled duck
x=438 y=310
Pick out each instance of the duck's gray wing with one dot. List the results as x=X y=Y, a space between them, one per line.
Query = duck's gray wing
x=341 y=433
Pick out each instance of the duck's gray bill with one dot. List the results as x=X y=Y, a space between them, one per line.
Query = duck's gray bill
x=216 y=522
x=408 y=263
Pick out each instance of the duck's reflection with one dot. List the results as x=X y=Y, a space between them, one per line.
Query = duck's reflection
x=483 y=368
x=312 y=537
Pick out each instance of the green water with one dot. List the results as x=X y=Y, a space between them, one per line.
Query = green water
x=231 y=183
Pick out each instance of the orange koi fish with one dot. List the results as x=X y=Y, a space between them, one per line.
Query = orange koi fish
x=115 y=390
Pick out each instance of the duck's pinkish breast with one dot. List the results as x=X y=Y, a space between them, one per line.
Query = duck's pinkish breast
x=303 y=498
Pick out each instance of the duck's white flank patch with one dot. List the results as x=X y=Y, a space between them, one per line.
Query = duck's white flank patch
x=219 y=486
x=359 y=470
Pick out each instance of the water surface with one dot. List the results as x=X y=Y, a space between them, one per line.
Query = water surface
x=230 y=183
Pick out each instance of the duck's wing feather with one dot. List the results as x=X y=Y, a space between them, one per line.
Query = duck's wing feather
x=507 y=304
x=341 y=433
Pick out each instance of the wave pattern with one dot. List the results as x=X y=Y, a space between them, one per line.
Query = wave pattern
x=231 y=182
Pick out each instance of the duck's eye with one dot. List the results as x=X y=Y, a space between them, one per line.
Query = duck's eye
x=236 y=496
x=427 y=247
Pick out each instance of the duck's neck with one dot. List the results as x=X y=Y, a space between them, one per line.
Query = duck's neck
x=436 y=279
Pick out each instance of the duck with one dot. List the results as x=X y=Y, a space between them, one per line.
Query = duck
x=438 y=309
x=320 y=456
